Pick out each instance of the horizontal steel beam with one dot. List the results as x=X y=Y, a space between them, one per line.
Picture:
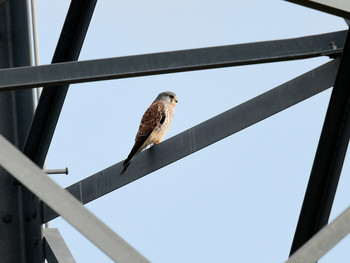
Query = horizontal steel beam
x=56 y=250
x=334 y=7
x=204 y=134
x=324 y=240
x=61 y=201
x=330 y=44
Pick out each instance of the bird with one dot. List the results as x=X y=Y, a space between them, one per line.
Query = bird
x=154 y=124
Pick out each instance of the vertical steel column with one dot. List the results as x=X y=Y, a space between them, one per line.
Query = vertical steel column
x=329 y=157
x=20 y=214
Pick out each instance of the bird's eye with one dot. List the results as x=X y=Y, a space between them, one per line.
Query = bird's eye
x=171 y=96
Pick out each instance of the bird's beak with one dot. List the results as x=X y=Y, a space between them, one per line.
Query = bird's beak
x=175 y=99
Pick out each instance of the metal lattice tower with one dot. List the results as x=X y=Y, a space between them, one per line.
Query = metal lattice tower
x=31 y=197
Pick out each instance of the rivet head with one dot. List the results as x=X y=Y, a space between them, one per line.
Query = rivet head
x=33 y=212
x=7 y=218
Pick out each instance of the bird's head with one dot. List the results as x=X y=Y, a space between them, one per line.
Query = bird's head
x=168 y=96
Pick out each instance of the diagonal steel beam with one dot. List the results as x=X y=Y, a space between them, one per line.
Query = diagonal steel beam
x=334 y=7
x=324 y=240
x=61 y=201
x=330 y=44
x=329 y=157
x=56 y=250
x=204 y=134
x=52 y=99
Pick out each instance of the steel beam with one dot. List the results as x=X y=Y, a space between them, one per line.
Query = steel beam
x=51 y=100
x=334 y=7
x=324 y=240
x=204 y=134
x=20 y=212
x=330 y=44
x=56 y=250
x=61 y=201
x=329 y=158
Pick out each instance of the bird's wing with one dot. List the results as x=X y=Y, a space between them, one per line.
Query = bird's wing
x=153 y=116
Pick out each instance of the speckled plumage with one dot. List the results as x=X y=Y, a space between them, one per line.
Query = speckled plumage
x=154 y=124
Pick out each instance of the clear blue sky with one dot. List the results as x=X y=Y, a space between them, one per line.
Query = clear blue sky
x=235 y=201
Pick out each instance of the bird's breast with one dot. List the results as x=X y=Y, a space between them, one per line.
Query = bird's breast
x=161 y=129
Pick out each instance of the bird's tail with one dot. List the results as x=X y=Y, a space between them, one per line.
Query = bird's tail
x=135 y=150
x=126 y=164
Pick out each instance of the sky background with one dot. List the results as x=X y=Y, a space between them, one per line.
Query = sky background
x=235 y=201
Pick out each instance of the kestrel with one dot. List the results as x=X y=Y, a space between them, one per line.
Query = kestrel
x=154 y=124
